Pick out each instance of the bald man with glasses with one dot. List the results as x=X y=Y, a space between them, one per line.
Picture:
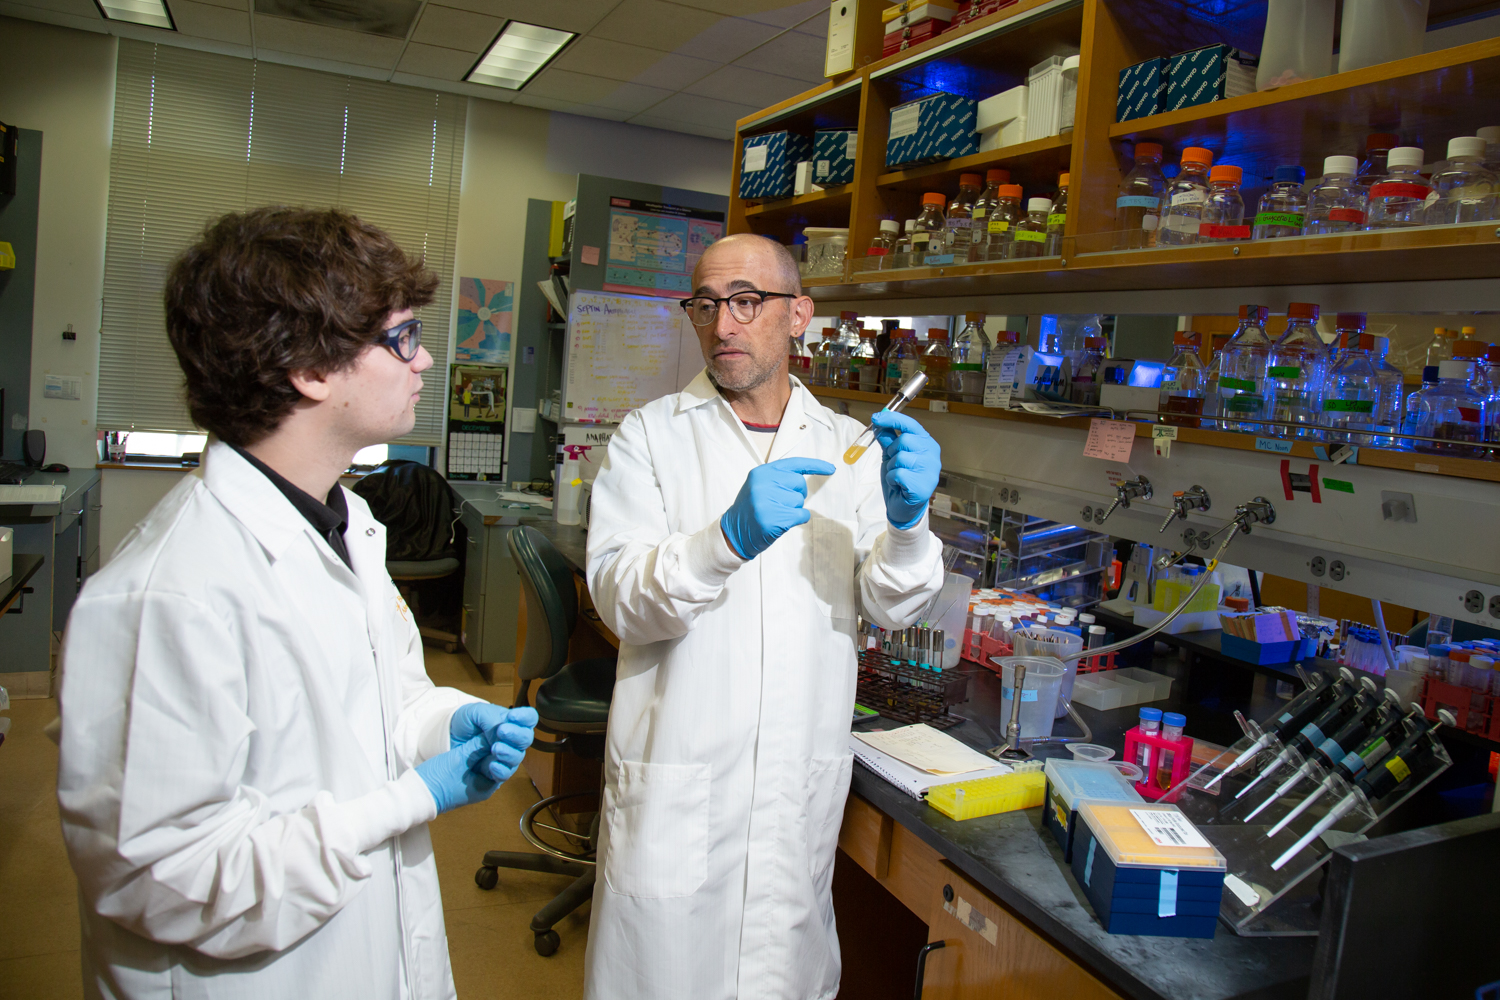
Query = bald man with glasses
x=731 y=550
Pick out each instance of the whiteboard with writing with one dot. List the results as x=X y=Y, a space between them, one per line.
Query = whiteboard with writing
x=623 y=352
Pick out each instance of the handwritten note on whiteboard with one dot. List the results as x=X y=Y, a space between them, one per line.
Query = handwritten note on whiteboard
x=623 y=352
x=1110 y=440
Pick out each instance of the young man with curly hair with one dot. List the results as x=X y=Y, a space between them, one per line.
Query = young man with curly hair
x=250 y=746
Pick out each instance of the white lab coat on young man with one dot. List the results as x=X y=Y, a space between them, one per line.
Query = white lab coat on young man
x=241 y=716
x=727 y=764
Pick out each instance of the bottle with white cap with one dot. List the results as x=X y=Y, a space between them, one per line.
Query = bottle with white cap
x=1463 y=191
x=1400 y=198
x=1030 y=239
x=1491 y=136
x=1337 y=201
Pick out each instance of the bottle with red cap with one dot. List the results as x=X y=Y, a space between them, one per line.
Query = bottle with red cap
x=864 y=363
x=1182 y=381
x=1185 y=198
x=1400 y=198
x=822 y=356
x=960 y=216
x=799 y=359
x=1295 y=374
x=1242 y=373
x=937 y=358
x=1374 y=168
x=1223 y=216
x=930 y=236
x=902 y=359
x=984 y=207
x=1337 y=201
x=842 y=349
x=1351 y=396
x=1138 y=204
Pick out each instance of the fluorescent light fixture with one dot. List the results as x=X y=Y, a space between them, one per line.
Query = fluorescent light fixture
x=152 y=13
x=518 y=54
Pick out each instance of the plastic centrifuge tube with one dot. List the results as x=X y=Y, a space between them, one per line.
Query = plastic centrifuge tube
x=1150 y=722
x=1172 y=724
x=898 y=402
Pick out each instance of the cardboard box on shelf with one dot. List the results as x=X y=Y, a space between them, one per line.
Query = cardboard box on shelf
x=1211 y=73
x=934 y=128
x=833 y=156
x=1143 y=90
x=1006 y=106
x=919 y=14
x=905 y=38
x=769 y=167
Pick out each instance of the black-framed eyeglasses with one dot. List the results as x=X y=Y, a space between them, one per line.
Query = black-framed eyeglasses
x=703 y=310
x=404 y=339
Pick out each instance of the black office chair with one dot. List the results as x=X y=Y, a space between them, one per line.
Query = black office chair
x=572 y=702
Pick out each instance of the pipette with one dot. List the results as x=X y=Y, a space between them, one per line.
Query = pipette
x=1344 y=692
x=896 y=405
x=1328 y=752
x=1302 y=710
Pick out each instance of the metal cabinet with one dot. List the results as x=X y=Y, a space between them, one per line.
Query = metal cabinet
x=492 y=593
x=75 y=548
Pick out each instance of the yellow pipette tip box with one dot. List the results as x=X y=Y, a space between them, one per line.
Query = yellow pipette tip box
x=1021 y=789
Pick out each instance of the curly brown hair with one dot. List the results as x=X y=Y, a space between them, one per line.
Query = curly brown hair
x=275 y=290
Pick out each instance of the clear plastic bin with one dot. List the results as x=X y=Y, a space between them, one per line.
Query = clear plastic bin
x=826 y=249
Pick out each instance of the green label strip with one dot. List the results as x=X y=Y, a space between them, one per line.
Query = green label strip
x=1338 y=485
x=1348 y=406
x=1280 y=371
x=1294 y=219
x=1243 y=384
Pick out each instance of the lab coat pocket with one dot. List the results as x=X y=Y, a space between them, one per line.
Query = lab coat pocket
x=657 y=816
x=831 y=550
x=827 y=788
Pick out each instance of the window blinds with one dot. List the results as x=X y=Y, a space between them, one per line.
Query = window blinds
x=198 y=134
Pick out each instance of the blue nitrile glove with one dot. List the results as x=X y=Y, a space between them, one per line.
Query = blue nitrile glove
x=909 y=471
x=770 y=504
x=455 y=779
x=507 y=733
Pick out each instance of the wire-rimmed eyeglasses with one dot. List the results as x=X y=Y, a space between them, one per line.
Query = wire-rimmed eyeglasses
x=703 y=310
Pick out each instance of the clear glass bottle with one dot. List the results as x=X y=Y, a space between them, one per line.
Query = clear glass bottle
x=1337 y=201
x=1005 y=342
x=864 y=363
x=1085 y=386
x=1057 y=218
x=1222 y=219
x=970 y=351
x=1242 y=374
x=1400 y=199
x=1392 y=393
x=902 y=360
x=1295 y=374
x=1185 y=198
x=901 y=251
x=1351 y=394
x=1491 y=136
x=1440 y=348
x=1411 y=410
x=984 y=206
x=1472 y=351
x=1002 y=222
x=1452 y=411
x=1492 y=402
x=1374 y=168
x=960 y=216
x=937 y=358
x=1211 y=401
x=885 y=240
x=1464 y=189
x=821 y=356
x=1030 y=239
x=1182 y=381
x=1138 y=204
x=930 y=235
x=1283 y=208
x=843 y=349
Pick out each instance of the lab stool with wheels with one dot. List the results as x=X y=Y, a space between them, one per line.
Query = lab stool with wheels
x=572 y=701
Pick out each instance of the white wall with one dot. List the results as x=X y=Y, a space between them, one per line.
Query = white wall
x=61 y=82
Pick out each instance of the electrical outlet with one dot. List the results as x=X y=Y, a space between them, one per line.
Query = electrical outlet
x=1336 y=570
x=1318 y=565
x=1495 y=606
x=1473 y=602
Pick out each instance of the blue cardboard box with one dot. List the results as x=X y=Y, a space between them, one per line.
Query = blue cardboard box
x=1212 y=73
x=768 y=168
x=1070 y=782
x=935 y=128
x=1143 y=90
x=1266 y=652
x=833 y=156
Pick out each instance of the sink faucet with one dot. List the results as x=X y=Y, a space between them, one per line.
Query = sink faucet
x=1125 y=491
x=1194 y=498
x=1257 y=510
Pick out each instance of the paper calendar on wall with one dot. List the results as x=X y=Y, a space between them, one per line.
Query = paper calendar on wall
x=476 y=423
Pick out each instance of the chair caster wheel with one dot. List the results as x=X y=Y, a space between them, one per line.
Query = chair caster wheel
x=487 y=878
x=546 y=943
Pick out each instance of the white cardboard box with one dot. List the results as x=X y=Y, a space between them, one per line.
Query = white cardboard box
x=1004 y=107
x=1009 y=134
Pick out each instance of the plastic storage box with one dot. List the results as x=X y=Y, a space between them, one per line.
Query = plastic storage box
x=1212 y=73
x=826 y=249
x=1266 y=652
x=935 y=128
x=769 y=166
x=833 y=156
x=1072 y=782
x=1164 y=880
x=1122 y=688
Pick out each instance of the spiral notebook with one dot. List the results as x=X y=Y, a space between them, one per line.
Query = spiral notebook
x=911 y=780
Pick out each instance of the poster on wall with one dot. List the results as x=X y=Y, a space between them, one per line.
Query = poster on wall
x=653 y=248
x=485 y=307
x=476 y=423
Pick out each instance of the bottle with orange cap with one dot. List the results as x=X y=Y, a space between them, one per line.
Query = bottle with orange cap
x=1185 y=198
x=1000 y=227
x=1295 y=374
x=1466 y=348
x=984 y=205
x=1351 y=396
x=930 y=235
x=937 y=358
x=1182 y=381
x=1223 y=217
x=1138 y=205
x=960 y=216
x=1057 y=219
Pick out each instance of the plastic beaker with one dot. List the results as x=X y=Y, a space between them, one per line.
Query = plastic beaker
x=1090 y=752
x=1065 y=646
x=1044 y=676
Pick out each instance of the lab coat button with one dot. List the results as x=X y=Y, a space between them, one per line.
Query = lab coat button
x=370 y=532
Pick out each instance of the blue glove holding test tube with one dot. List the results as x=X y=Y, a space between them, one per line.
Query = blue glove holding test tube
x=910 y=467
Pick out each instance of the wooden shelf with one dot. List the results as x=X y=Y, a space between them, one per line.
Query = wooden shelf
x=1034 y=163
x=1463 y=468
x=836 y=197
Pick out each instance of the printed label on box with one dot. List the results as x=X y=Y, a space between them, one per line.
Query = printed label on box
x=755 y=159
x=904 y=120
x=851 y=145
x=1169 y=829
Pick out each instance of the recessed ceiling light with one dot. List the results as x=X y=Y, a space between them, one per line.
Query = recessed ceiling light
x=153 y=13
x=518 y=54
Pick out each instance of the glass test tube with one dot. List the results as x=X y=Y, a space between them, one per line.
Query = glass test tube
x=907 y=393
x=1150 y=722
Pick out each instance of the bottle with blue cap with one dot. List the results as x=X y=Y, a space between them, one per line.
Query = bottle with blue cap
x=1150 y=723
x=1283 y=208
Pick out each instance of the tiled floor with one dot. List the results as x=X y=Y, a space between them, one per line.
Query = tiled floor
x=488 y=935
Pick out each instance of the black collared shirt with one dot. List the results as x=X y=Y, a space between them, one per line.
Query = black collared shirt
x=330 y=519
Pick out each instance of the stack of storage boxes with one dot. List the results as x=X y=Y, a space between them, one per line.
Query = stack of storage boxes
x=1198 y=76
x=769 y=166
x=914 y=21
x=935 y=128
x=1072 y=782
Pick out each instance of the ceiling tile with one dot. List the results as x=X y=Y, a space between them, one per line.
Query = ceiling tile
x=774 y=12
x=656 y=24
x=602 y=57
x=322 y=42
x=569 y=107
x=77 y=8
x=203 y=20
x=675 y=125
x=675 y=71
x=231 y=4
x=692 y=109
x=572 y=15
x=739 y=85
x=633 y=98
x=452 y=28
x=565 y=85
x=789 y=54
x=436 y=61
x=731 y=38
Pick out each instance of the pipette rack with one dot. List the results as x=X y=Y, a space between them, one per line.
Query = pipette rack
x=1023 y=788
x=910 y=693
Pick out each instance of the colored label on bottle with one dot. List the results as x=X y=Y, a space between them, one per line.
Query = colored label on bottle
x=1346 y=215
x=1027 y=694
x=1169 y=384
x=1057 y=219
x=1398 y=767
x=1284 y=371
x=1183 y=224
x=966 y=368
x=979 y=212
x=877 y=252
x=1468 y=414
x=999 y=225
x=1243 y=404
x=1028 y=236
x=1242 y=384
x=1189 y=198
x=937 y=259
x=1216 y=232
x=1137 y=201
x=1291 y=219
x=1400 y=189
x=1348 y=406
x=957 y=223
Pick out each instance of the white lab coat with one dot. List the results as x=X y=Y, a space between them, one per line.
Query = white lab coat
x=727 y=765
x=240 y=719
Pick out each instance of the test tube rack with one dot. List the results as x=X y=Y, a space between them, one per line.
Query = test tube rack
x=908 y=692
x=1182 y=763
x=1476 y=712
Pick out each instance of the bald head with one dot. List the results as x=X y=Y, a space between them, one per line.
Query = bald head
x=761 y=253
